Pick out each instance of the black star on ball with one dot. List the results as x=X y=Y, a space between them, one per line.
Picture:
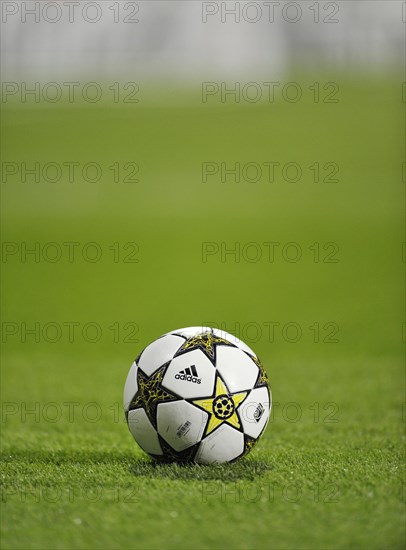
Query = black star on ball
x=150 y=393
x=206 y=342
x=170 y=455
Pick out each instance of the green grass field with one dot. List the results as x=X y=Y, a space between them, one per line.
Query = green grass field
x=328 y=472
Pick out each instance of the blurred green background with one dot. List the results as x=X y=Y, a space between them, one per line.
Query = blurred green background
x=343 y=454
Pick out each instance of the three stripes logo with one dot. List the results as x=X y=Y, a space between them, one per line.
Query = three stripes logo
x=189 y=375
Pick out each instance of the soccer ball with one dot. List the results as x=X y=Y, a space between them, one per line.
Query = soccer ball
x=197 y=395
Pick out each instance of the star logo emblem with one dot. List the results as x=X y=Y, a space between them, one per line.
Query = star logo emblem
x=150 y=393
x=222 y=407
x=206 y=342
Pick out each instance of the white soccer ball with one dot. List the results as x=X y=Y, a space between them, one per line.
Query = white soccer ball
x=197 y=394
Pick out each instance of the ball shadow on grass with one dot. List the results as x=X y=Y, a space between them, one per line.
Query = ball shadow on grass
x=248 y=469
x=79 y=462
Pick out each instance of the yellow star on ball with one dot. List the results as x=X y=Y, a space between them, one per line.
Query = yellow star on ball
x=222 y=407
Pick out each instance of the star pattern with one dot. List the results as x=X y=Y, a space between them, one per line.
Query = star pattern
x=249 y=443
x=150 y=393
x=206 y=342
x=228 y=407
x=170 y=455
x=262 y=377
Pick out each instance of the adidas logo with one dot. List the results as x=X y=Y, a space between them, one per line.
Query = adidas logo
x=189 y=375
x=259 y=411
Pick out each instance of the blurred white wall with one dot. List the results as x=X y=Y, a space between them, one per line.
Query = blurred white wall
x=171 y=39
